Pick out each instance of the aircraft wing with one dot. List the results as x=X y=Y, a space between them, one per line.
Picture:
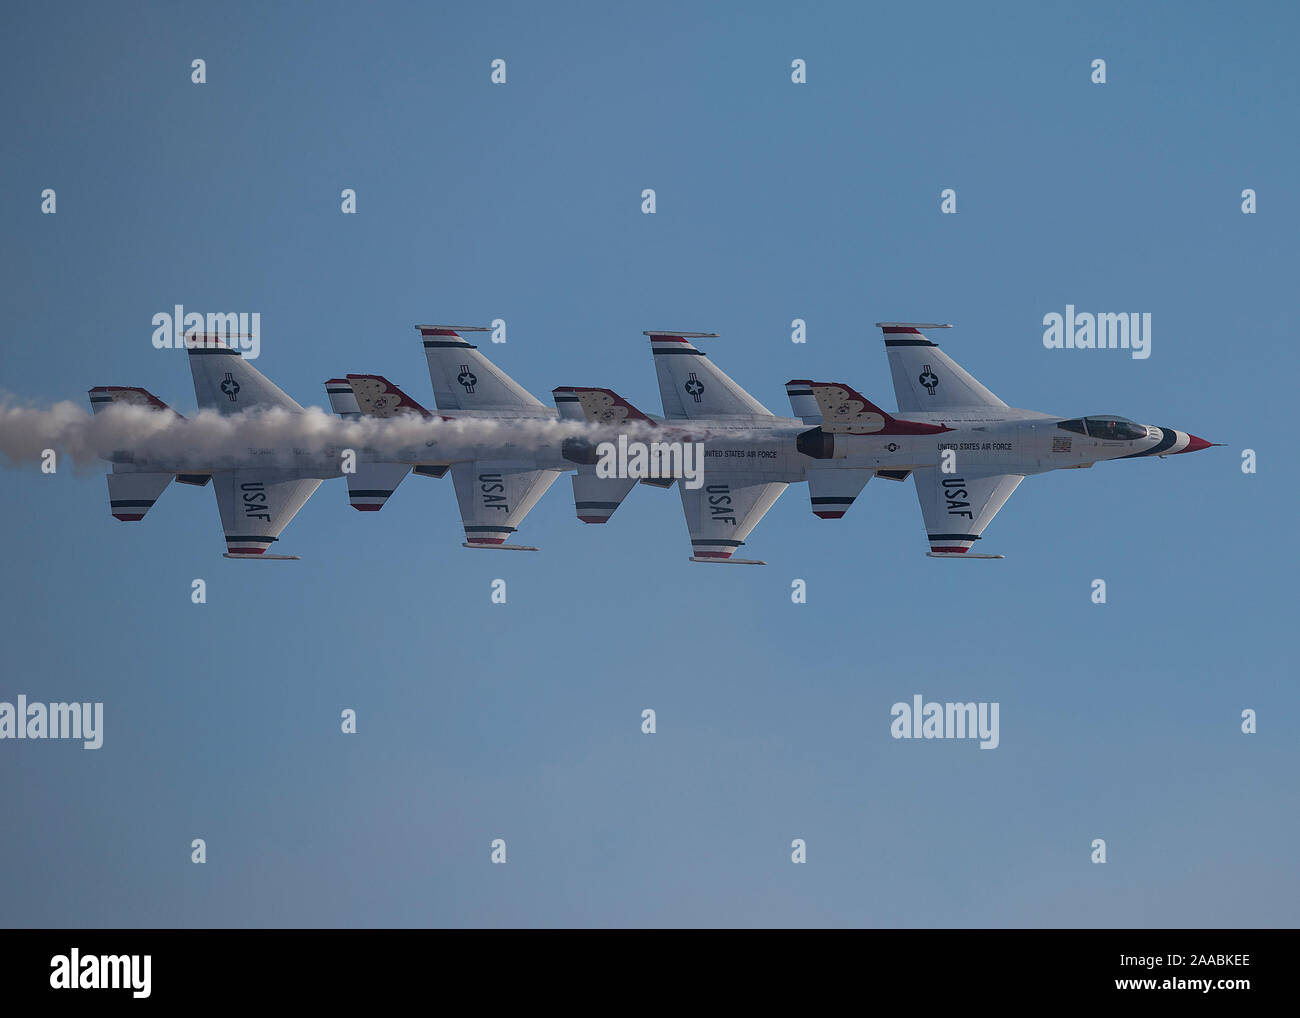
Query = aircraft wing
x=225 y=382
x=463 y=379
x=692 y=386
x=721 y=514
x=957 y=507
x=256 y=505
x=926 y=378
x=494 y=498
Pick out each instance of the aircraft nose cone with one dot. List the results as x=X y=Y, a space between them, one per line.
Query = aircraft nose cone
x=1194 y=444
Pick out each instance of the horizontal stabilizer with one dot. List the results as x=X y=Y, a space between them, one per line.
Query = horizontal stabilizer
x=370 y=486
x=342 y=399
x=728 y=561
x=833 y=490
x=431 y=469
x=104 y=396
x=596 y=498
x=803 y=402
x=498 y=547
x=131 y=495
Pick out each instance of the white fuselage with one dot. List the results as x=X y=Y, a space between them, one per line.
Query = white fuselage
x=1008 y=440
x=778 y=448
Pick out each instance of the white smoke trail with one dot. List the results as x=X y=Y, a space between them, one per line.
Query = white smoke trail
x=88 y=439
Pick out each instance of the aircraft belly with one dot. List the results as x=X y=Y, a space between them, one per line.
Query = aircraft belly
x=268 y=461
x=772 y=467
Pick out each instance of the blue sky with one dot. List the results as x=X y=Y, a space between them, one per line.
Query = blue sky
x=522 y=721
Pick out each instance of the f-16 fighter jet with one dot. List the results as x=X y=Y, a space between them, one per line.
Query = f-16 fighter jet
x=750 y=454
x=258 y=492
x=965 y=449
x=994 y=446
x=497 y=486
x=264 y=468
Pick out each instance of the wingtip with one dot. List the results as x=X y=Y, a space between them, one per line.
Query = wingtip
x=435 y=329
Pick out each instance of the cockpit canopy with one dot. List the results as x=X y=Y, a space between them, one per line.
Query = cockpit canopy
x=1115 y=429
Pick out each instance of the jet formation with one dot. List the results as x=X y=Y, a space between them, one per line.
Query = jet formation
x=965 y=450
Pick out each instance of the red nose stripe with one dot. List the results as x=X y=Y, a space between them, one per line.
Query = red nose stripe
x=1194 y=444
